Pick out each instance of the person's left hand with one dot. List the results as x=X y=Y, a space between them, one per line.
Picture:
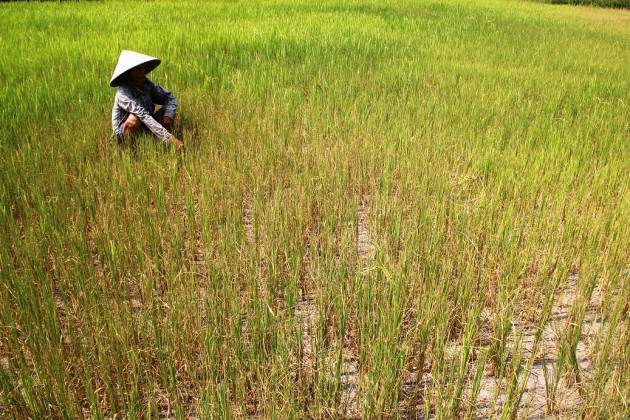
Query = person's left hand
x=167 y=122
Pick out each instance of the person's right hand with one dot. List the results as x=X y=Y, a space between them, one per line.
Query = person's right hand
x=179 y=145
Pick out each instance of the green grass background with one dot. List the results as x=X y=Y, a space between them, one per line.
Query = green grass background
x=487 y=141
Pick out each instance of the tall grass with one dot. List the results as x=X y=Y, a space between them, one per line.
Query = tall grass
x=483 y=146
x=596 y=3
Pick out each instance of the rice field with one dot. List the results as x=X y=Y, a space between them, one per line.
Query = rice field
x=403 y=209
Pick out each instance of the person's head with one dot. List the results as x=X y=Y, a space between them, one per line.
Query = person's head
x=128 y=68
x=137 y=75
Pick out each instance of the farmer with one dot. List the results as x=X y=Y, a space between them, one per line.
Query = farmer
x=134 y=106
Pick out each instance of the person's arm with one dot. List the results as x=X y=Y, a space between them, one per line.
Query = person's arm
x=163 y=97
x=133 y=107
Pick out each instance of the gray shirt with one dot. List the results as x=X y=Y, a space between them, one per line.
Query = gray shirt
x=141 y=103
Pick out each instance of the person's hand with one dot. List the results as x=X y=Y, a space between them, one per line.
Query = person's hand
x=167 y=122
x=179 y=145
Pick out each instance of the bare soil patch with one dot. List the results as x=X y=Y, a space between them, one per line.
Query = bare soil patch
x=551 y=389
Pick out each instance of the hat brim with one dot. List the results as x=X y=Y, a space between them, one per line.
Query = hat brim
x=121 y=78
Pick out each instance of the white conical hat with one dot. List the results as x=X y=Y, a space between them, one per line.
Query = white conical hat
x=129 y=60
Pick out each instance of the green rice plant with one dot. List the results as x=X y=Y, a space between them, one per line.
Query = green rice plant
x=377 y=206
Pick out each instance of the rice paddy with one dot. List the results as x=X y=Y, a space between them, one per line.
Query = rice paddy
x=406 y=209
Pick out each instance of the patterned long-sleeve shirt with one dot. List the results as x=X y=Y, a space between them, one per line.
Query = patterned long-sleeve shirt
x=141 y=103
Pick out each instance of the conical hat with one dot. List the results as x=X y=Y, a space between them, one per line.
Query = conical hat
x=129 y=60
